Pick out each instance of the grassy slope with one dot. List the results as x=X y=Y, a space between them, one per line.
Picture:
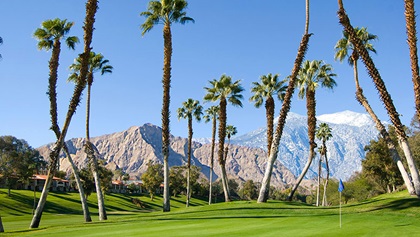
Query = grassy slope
x=387 y=215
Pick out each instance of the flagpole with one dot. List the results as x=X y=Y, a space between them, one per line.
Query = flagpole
x=340 y=210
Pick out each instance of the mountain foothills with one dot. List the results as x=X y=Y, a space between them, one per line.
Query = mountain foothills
x=132 y=149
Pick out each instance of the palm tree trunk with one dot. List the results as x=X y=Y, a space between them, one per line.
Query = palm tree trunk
x=324 y=197
x=90 y=152
x=222 y=135
x=190 y=134
x=91 y=8
x=319 y=181
x=310 y=106
x=43 y=198
x=382 y=130
x=167 y=36
x=213 y=141
x=265 y=184
x=410 y=19
x=269 y=108
x=79 y=184
x=384 y=95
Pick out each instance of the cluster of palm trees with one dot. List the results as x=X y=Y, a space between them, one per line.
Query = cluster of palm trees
x=306 y=76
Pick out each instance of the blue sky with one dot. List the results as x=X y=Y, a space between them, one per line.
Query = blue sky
x=243 y=39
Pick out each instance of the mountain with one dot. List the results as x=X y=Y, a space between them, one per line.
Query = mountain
x=351 y=133
x=132 y=149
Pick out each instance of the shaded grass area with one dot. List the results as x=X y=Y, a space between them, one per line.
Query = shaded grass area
x=387 y=215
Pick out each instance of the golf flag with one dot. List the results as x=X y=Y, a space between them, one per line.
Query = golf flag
x=340 y=186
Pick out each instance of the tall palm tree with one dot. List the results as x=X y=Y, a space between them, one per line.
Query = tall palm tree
x=165 y=12
x=312 y=75
x=190 y=109
x=212 y=113
x=269 y=87
x=383 y=94
x=324 y=134
x=224 y=90
x=410 y=20
x=91 y=8
x=49 y=37
x=303 y=47
x=344 y=48
x=97 y=63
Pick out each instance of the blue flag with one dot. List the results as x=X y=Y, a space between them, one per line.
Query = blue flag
x=340 y=186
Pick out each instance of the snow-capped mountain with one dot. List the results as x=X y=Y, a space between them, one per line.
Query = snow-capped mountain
x=351 y=133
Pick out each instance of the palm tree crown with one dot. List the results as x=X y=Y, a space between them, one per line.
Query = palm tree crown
x=210 y=113
x=231 y=131
x=54 y=30
x=97 y=63
x=165 y=12
x=323 y=133
x=269 y=87
x=190 y=109
x=344 y=45
x=312 y=74
x=224 y=89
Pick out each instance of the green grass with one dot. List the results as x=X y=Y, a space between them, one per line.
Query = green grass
x=386 y=215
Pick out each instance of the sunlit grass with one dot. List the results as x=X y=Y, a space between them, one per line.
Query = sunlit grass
x=386 y=215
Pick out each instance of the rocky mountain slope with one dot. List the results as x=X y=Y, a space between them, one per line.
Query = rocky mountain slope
x=132 y=149
x=351 y=133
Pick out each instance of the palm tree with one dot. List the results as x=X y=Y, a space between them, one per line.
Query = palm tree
x=230 y=131
x=342 y=49
x=410 y=19
x=312 y=74
x=212 y=113
x=303 y=47
x=323 y=133
x=270 y=86
x=190 y=109
x=165 y=12
x=49 y=36
x=96 y=63
x=224 y=91
x=91 y=8
x=383 y=93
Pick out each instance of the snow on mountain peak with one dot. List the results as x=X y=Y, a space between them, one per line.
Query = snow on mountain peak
x=347 y=117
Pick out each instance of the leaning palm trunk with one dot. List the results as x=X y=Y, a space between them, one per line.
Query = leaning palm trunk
x=327 y=178
x=310 y=106
x=167 y=36
x=213 y=140
x=265 y=185
x=90 y=152
x=382 y=130
x=79 y=184
x=303 y=47
x=410 y=18
x=384 y=95
x=91 y=7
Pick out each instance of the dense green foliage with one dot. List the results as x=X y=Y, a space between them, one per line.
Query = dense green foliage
x=152 y=178
x=18 y=161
